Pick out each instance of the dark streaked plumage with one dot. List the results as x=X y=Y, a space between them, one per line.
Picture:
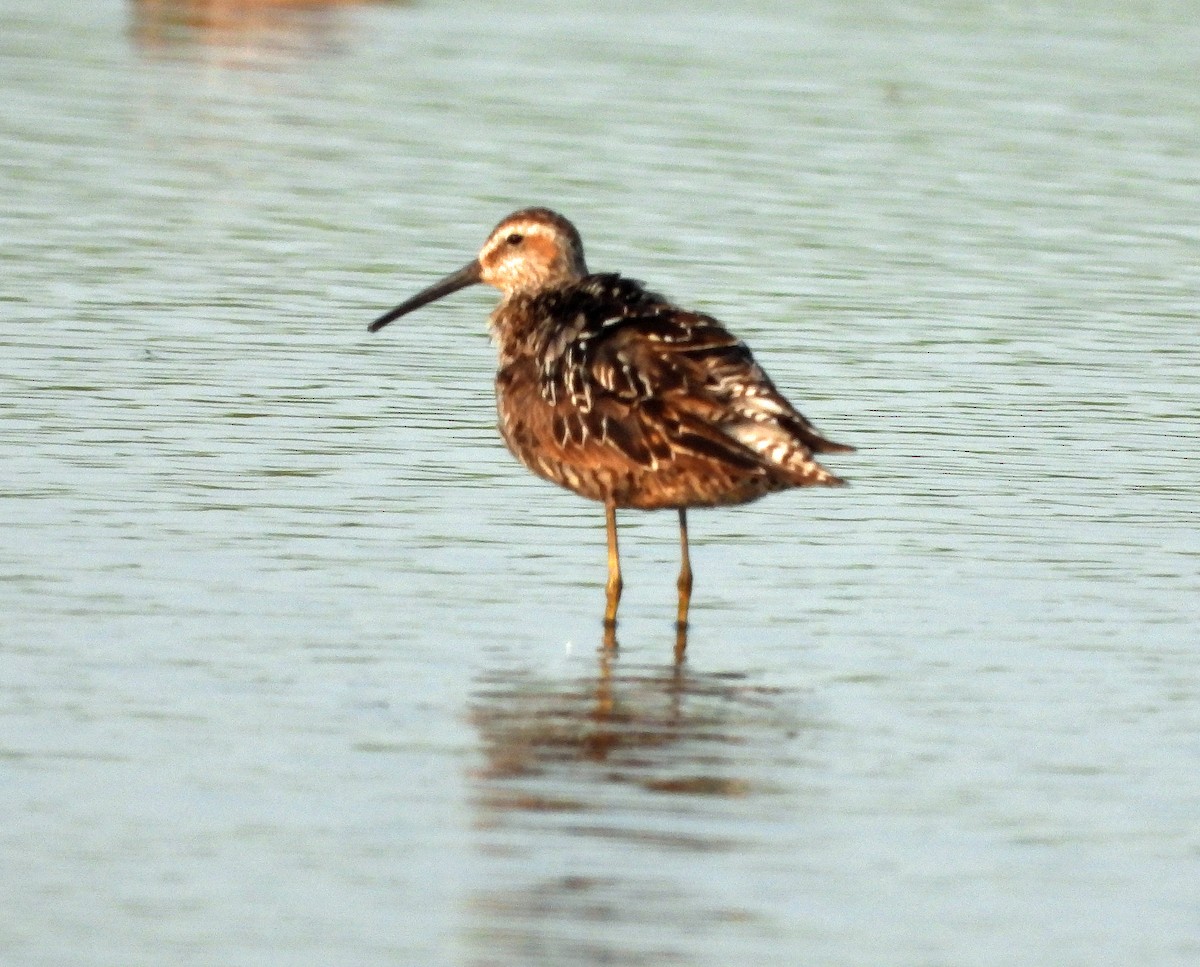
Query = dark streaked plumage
x=613 y=392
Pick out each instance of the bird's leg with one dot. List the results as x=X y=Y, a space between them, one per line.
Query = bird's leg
x=612 y=589
x=685 y=572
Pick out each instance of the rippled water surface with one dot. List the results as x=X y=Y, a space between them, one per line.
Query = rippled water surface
x=300 y=667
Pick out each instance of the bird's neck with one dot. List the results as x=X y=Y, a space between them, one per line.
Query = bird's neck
x=517 y=323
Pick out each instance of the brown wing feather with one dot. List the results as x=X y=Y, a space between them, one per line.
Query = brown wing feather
x=716 y=398
x=643 y=403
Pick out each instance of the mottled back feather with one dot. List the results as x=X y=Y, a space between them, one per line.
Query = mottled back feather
x=638 y=389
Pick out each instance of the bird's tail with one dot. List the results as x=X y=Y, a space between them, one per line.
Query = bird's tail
x=788 y=452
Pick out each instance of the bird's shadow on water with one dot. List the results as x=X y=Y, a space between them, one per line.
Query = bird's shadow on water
x=596 y=797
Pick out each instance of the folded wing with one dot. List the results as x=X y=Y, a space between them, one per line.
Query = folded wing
x=664 y=381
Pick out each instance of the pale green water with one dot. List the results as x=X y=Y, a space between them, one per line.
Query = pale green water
x=299 y=667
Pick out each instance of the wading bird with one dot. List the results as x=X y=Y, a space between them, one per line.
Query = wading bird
x=615 y=393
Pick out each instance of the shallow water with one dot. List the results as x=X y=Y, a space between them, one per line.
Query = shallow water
x=301 y=668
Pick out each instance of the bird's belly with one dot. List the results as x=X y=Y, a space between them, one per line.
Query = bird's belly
x=566 y=452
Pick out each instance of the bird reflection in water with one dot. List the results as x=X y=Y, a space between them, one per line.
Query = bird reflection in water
x=241 y=32
x=664 y=713
x=574 y=772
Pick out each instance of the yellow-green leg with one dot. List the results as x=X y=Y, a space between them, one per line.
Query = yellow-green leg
x=685 y=572
x=612 y=589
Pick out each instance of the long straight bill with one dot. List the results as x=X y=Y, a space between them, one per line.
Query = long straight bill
x=467 y=275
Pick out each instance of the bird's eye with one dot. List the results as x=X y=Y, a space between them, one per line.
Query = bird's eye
x=516 y=238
